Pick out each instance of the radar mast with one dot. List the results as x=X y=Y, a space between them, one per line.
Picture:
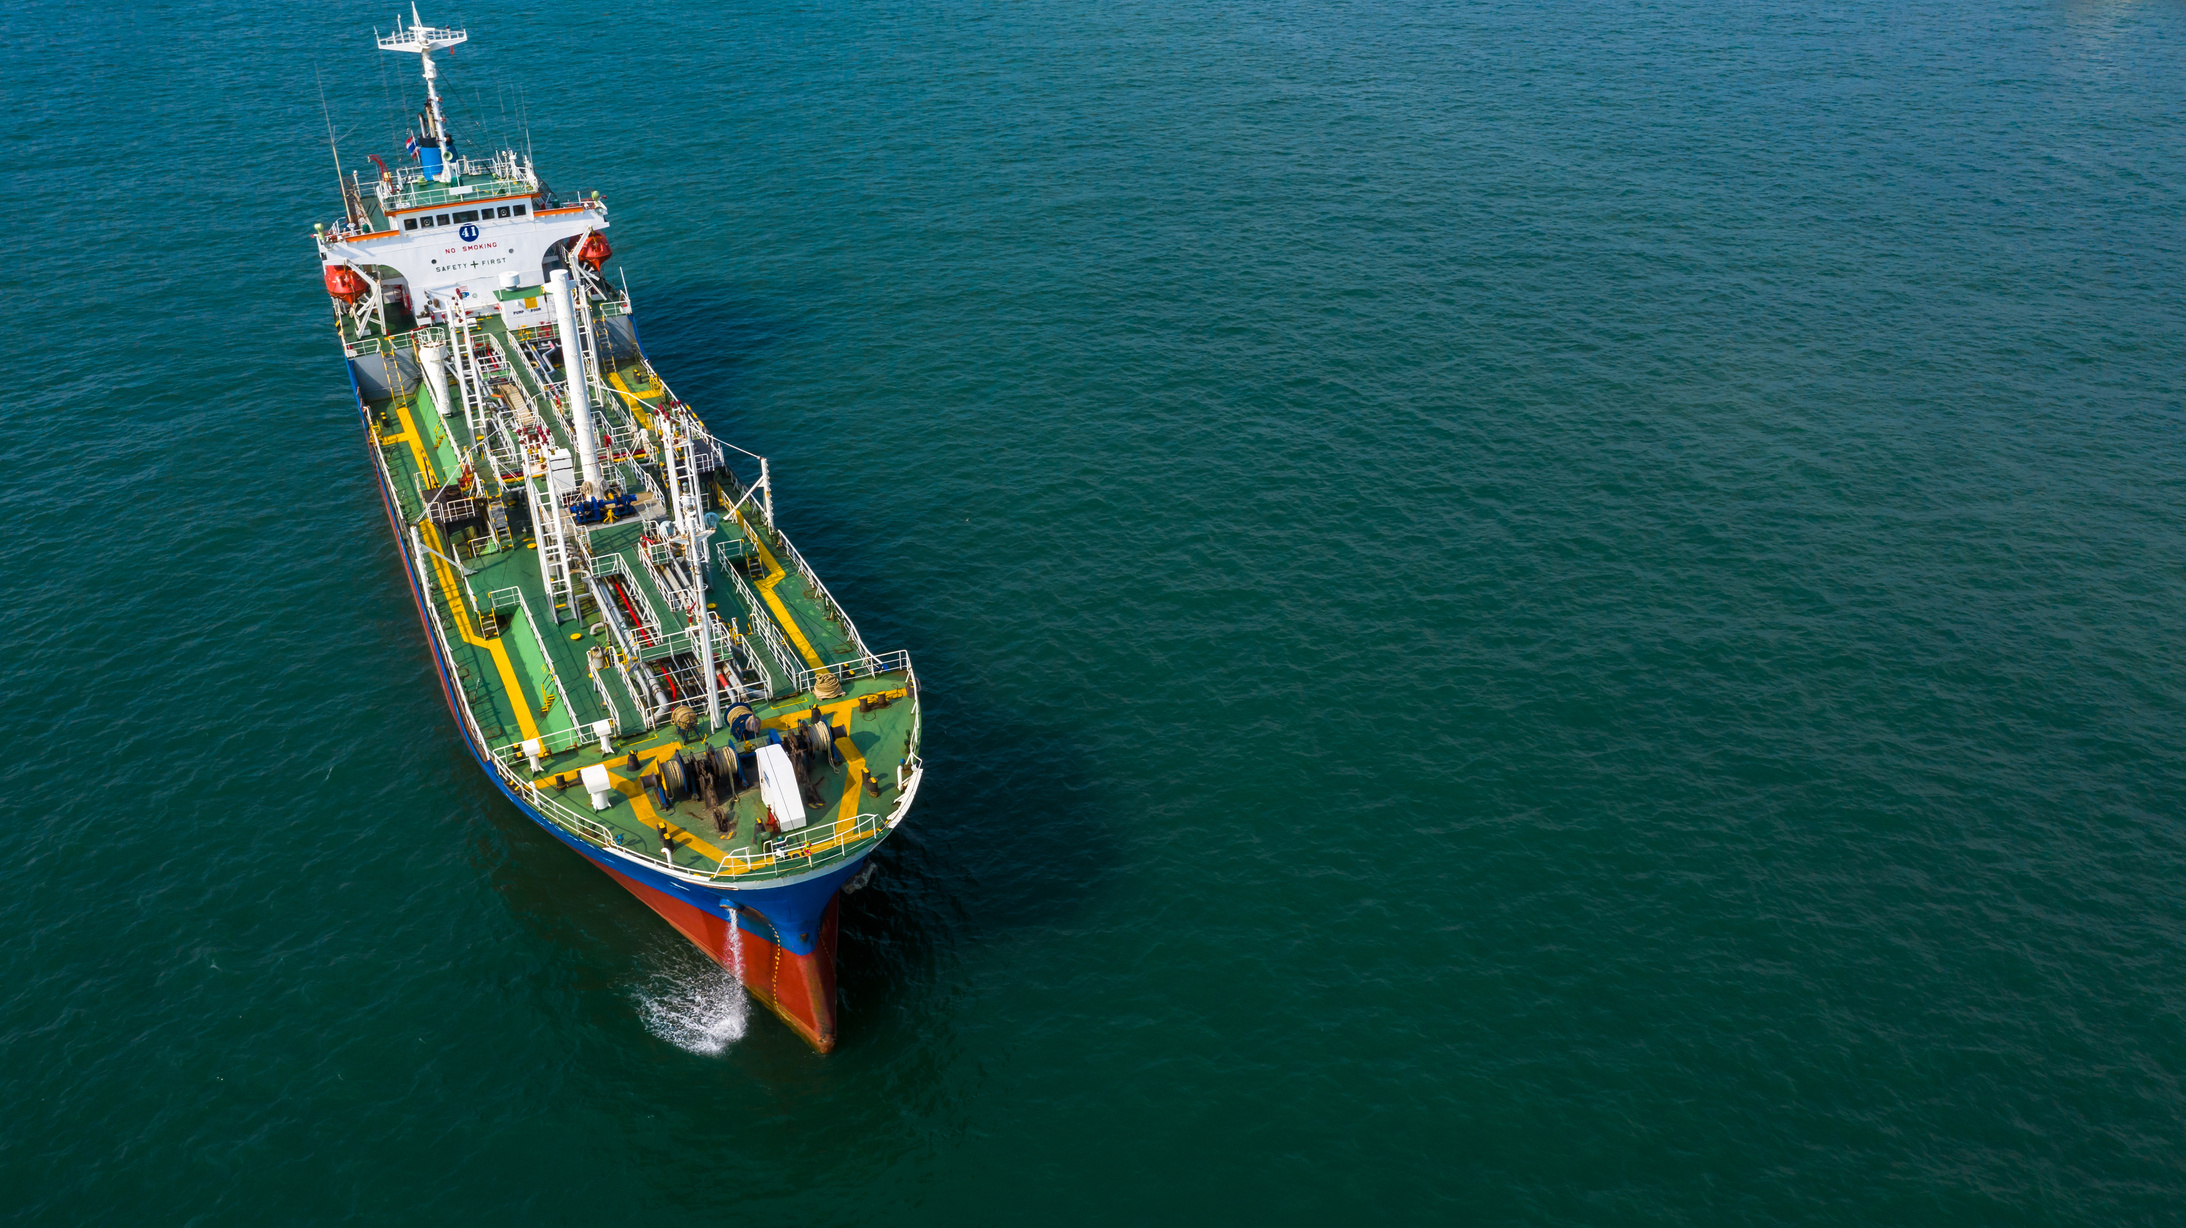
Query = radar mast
x=424 y=40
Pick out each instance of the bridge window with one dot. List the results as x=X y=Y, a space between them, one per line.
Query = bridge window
x=409 y=223
x=426 y=220
x=443 y=219
x=519 y=211
x=471 y=216
x=504 y=211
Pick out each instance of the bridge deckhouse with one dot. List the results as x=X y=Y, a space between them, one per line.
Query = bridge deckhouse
x=452 y=229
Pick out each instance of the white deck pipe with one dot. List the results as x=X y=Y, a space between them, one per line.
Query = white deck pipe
x=580 y=403
x=698 y=536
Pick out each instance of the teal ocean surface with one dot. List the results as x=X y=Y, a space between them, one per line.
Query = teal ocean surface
x=1532 y=613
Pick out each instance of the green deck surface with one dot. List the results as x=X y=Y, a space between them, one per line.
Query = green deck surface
x=491 y=645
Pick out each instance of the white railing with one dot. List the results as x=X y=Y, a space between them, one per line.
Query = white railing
x=672 y=574
x=411 y=189
x=763 y=624
x=705 y=453
x=648 y=638
x=728 y=644
x=673 y=643
x=796 y=857
x=659 y=640
x=795 y=853
x=808 y=849
x=850 y=629
x=607 y=700
x=427 y=334
x=450 y=511
x=765 y=686
x=504 y=450
x=553 y=742
x=594 y=832
x=867 y=666
x=546 y=659
x=417 y=539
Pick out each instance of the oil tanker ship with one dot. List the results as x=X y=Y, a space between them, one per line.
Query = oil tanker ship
x=631 y=648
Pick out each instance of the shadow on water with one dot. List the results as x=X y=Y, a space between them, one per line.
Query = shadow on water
x=1001 y=838
x=1009 y=830
x=1005 y=836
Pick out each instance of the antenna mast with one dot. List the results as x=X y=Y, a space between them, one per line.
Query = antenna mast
x=423 y=40
x=348 y=214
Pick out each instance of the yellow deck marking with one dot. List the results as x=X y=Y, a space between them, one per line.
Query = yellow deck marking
x=853 y=782
x=637 y=404
x=840 y=708
x=642 y=803
x=774 y=603
x=417 y=446
x=853 y=760
x=774 y=569
x=846 y=811
x=452 y=590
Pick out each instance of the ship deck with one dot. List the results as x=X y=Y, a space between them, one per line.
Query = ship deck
x=535 y=666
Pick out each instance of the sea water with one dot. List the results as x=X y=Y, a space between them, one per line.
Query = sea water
x=1555 y=613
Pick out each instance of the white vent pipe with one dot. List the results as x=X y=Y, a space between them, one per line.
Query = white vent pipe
x=580 y=403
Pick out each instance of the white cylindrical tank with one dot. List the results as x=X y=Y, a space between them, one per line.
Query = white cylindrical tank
x=434 y=360
x=580 y=403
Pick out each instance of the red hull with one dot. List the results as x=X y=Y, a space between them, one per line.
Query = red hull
x=800 y=989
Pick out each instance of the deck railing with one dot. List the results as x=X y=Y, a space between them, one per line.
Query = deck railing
x=867 y=666
x=607 y=701
x=799 y=853
x=812 y=848
x=546 y=659
x=819 y=590
x=646 y=638
x=407 y=187
x=763 y=624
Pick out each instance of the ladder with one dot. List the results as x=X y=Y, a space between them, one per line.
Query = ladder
x=684 y=496
x=484 y=365
x=591 y=330
x=497 y=523
x=589 y=365
x=489 y=364
x=469 y=389
x=548 y=519
x=606 y=405
x=503 y=450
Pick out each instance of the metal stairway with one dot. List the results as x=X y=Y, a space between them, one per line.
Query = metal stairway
x=551 y=523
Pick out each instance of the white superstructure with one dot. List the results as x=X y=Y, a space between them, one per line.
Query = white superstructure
x=449 y=230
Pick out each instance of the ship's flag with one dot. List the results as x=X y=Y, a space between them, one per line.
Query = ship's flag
x=410 y=146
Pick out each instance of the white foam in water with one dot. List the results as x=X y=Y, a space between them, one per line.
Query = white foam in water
x=703 y=1010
